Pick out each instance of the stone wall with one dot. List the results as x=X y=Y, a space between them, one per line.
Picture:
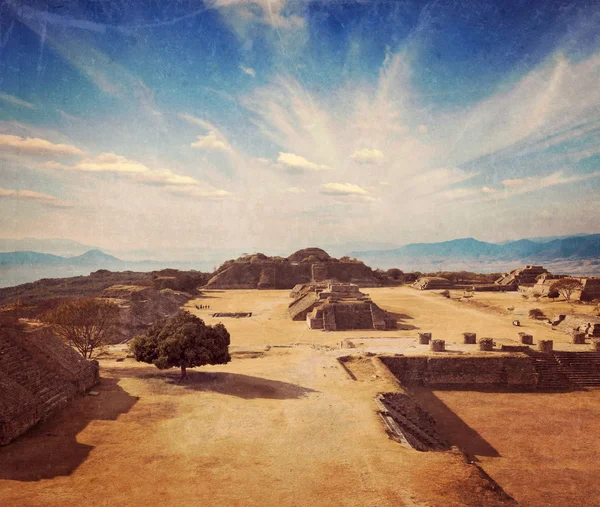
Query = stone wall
x=579 y=323
x=286 y=275
x=38 y=374
x=461 y=371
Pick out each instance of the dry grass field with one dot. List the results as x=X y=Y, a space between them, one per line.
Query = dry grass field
x=283 y=424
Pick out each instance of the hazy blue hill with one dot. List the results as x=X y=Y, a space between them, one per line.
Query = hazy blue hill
x=93 y=257
x=21 y=258
x=56 y=246
x=457 y=248
x=579 y=247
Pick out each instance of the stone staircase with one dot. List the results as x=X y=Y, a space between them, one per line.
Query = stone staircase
x=581 y=368
x=378 y=318
x=409 y=423
x=47 y=389
x=551 y=375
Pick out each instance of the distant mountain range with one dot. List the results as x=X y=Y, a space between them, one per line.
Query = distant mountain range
x=23 y=267
x=56 y=246
x=92 y=257
x=577 y=254
x=469 y=251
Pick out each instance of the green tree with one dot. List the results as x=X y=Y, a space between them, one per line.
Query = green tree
x=395 y=273
x=183 y=341
x=566 y=287
x=85 y=324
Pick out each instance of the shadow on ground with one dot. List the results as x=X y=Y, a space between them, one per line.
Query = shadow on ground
x=243 y=386
x=50 y=448
x=452 y=428
x=230 y=384
x=400 y=318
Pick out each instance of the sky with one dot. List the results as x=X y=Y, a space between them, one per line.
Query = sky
x=271 y=125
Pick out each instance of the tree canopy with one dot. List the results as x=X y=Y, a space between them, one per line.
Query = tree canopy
x=566 y=287
x=184 y=341
x=85 y=324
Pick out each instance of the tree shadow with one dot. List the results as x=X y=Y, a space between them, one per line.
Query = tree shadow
x=50 y=449
x=242 y=386
x=452 y=428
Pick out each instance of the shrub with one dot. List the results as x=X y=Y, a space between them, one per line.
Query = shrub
x=536 y=314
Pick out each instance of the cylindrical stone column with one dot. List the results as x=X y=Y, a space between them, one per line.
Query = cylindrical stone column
x=437 y=345
x=424 y=338
x=486 y=344
x=546 y=346
x=526 y=339
x=470 y=338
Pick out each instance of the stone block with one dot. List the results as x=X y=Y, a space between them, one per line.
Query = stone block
x=470 y=338
x=437 y=345
x=526 y=339
x=546 y=346
x=424 y=338
x=486 y=344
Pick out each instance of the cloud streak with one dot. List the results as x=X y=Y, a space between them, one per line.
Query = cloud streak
x=11 y=99
x=31 y=196
x=36 y=147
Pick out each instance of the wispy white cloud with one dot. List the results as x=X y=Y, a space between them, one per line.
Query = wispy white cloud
x=30 y=195
x=15 y=101
x=138 y=172
x=368 y=156
x=203 y=192
x=248 y=70
x=269 y=12
x=534 y=183
x=36 y=147
x=293 y=162
x=515 y=186
x=210 y=142
x=342 y=189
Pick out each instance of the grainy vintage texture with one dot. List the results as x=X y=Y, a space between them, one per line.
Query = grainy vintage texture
x=299 y=252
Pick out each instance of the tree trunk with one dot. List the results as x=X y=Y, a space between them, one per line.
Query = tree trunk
x=183 y=374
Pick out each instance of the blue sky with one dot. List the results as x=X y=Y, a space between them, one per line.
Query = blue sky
x=274 y=124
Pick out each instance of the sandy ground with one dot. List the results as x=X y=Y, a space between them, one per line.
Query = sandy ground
x=281 y=424
x=542 y=448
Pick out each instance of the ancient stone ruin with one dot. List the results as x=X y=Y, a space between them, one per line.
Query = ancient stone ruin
x=522 y=277
x=409 y=424
x=590 y=286
x=304 y=266
x=486 y=344
x=470 y=338
x=424 y=338
x=588 y=325
x=38 y=374
x=437 y=345
x=140 y=307
x=338 y=307
x=432 y=283
x=526 y=339
x=450 y=370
